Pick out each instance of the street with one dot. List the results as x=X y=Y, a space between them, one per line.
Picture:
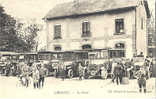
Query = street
x=55 y=87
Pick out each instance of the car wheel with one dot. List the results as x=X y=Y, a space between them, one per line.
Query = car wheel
x=92 y=72
x=70 y=73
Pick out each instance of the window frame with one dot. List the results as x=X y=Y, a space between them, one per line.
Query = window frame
x=90 y=46
x=86 y=30
x=115 y=53
x=57 y=33
x=119 y=25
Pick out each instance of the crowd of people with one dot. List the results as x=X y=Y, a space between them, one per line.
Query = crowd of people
x=116 y=69
x=141 y=71
x=36 y=71
x=122 y=70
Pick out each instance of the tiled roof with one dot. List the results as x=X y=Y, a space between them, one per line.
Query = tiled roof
x=88 y=6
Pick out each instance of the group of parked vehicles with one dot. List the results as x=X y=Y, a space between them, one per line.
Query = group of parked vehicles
x=95 y=62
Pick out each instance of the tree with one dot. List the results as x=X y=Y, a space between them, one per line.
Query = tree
x=15 y=35
x=7 y=31
x=28 y=33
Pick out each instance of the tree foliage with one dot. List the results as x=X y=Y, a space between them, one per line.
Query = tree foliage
x=14 y=35
x=28 y=33
x=7 y=31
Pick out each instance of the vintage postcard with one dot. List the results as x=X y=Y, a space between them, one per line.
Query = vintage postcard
x=74 y=49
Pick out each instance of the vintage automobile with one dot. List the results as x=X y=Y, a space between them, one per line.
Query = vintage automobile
x=93 y=71
x=97 y=71
x=2 y=67
x=55 y=68
x=70 y=69
x=68 y=63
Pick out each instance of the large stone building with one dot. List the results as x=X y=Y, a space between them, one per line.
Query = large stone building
x=117 y=25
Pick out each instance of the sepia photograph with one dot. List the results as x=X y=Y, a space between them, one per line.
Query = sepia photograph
x=74 y=49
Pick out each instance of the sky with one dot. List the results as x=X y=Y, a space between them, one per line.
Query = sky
x=29 y=9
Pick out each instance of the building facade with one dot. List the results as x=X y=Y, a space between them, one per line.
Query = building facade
x=117 y=25
x=151 y=37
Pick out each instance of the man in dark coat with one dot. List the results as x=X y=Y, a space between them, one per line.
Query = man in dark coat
x=42 y=75
x=117 y=73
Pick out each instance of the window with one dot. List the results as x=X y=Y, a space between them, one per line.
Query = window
x=68 y=56
x=119 y=26
x=86 y=47
x=117 y=53
x=98 y=54
x=54 y=56
x=150 y=52
x=57 y=32
x=86 y=29
x=57 y=48
x=142 y=23
x=44 y=57
x=119 y=45
x=150 y=41
x=60 y=56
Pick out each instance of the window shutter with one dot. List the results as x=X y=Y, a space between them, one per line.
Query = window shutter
x=83 y=27
x=88 y=26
